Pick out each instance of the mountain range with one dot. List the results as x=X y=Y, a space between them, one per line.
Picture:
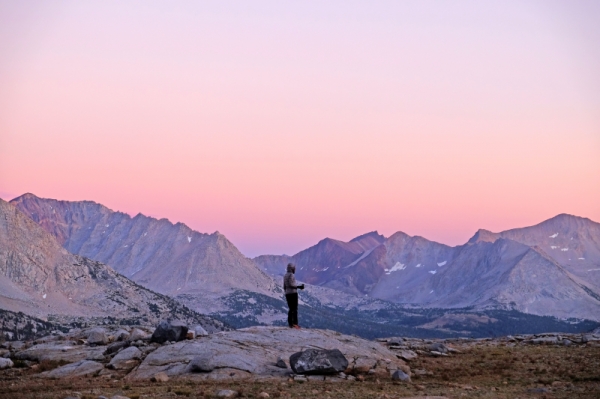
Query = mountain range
x=368 y=284
x=171 y=259
x=41 y=278
x=552 y=268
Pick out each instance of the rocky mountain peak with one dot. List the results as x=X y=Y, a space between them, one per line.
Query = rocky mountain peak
x=40 y=278
x=169 y=258
x=483 y=235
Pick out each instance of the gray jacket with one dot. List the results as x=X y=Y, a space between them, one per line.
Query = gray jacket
x=289 y=283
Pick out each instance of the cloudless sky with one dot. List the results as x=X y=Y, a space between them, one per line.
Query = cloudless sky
x=279 y=123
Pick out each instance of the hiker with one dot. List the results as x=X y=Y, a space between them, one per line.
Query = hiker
x=291 y=295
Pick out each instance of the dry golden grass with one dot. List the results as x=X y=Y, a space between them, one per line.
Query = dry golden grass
x=478 y=372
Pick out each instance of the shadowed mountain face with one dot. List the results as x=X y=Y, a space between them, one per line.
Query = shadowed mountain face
x=39 y=277
x=169 y=258
x=552 y=268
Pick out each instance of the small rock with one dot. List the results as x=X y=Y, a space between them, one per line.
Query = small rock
x=160 y=377
x=438 y=354
x=567 y=342
x=351 y=378
x=362 y=365
x=227 y=393
x=190 y=335
x=281 y=363
x=407 y=355
x=5 y=363
x=400 y=375
x=438 y=347
x=200 y=331
x=119 y=397
x=300 y=378
x=263 y=395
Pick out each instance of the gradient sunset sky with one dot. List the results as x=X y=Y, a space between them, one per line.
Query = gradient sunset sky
x=279 y=123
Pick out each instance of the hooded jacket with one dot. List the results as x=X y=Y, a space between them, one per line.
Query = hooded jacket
x=289 y=280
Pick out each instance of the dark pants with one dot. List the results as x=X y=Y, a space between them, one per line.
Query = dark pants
x=292 y=301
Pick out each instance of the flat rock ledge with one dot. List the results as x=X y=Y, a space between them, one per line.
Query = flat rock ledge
x=254 y=352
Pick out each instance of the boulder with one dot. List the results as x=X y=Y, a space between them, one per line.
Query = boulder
x=126 y=359
x=77 y=369
x=545 y=341
x=5 y=363
x=407 y=355
x=137 y=335
x=115 y=347
x=252 y=352
x=316 y=361
x=438 y=347
x=64 y=351
x=97 y=336
x=169 y=331
x=121 y=335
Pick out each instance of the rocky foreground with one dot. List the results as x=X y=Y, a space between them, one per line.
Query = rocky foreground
x=255 y=362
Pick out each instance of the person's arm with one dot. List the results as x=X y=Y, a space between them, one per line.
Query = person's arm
x=293 y=283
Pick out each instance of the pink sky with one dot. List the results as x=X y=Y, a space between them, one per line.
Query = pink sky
x=281 y=123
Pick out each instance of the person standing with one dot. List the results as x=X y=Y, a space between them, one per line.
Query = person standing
x=291 y=295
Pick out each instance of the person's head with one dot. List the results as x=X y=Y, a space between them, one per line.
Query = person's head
x=291 y=268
